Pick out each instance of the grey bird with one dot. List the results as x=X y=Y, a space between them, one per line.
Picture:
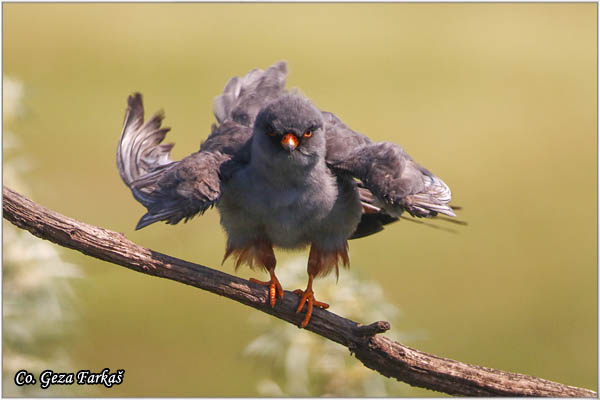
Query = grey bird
x=282 y=173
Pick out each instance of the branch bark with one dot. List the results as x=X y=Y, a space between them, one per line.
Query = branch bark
x=377 y=352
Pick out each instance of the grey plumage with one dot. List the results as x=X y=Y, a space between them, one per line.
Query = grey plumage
x=176 y=190
x=243 y=97
x=397 y=182
x=291 y=198
x=282 y=173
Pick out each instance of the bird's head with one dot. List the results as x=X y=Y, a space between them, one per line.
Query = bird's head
x=289 y=132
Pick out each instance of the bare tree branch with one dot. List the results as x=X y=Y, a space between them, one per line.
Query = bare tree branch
x=389 y=358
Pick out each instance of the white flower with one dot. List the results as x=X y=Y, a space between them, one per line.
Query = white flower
x=36 y=293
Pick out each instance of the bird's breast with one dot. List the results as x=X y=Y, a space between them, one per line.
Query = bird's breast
x=287 y=215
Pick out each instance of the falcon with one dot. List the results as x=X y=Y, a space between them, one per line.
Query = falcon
x=282 y=173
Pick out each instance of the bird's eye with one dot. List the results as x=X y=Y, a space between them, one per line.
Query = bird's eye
x=308 y=133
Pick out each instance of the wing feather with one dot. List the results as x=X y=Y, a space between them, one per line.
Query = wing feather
x=396 y=182
x=170 y=190
x=243 y=97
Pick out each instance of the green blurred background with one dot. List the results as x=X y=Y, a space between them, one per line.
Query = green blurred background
x=497 y=99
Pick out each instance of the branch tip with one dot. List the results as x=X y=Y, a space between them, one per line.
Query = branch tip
x=372 y=329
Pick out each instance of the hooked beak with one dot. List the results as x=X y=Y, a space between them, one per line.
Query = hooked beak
x=289 y=142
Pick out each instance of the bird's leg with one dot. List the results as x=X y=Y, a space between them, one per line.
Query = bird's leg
x=308 y=296
x=263 y=253
x=315 y=265
x=274 y=287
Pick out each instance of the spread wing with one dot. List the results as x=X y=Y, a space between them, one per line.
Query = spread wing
x=397 y=182
x=176 y=190
x=170 y=190
x=391 y=182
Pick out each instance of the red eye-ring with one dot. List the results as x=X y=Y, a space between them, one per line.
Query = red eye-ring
x=308 y=134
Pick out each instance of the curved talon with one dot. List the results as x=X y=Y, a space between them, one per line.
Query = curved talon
x=274 y=288
x=308 y=296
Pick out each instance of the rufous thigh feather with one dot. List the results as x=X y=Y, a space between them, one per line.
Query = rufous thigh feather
x=321 y=262
x=256 y=254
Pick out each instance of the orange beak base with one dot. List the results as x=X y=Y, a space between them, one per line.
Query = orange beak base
x=289 y=142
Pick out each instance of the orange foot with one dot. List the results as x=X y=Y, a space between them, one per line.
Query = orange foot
x=274 y=287
x=308 y=296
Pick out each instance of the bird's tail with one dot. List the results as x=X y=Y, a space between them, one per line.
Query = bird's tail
x=243 y=97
